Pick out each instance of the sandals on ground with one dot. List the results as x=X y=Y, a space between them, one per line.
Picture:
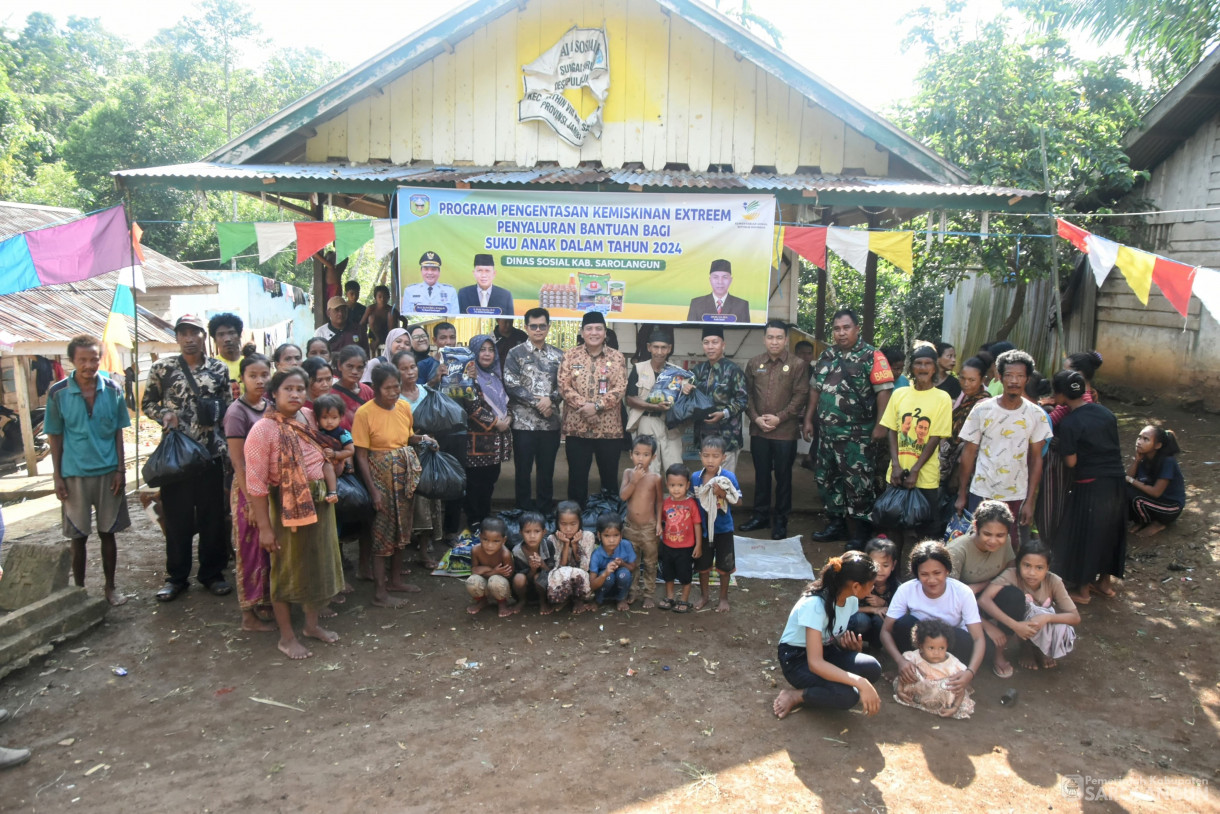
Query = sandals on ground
x=666 y=604
x=682 y=607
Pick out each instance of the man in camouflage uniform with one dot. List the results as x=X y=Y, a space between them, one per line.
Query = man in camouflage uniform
x=851 y=386
x=725 y=383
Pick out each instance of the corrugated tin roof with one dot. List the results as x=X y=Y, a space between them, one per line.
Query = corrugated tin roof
x=1177 y=116
x=393 y=176
x=160 y=272
x=59 y=312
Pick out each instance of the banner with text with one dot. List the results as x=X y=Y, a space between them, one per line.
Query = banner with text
x=637 y=257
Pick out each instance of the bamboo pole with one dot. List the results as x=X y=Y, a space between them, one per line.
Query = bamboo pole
x=21 y=378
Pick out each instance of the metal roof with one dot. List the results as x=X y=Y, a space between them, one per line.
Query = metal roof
x=54 y=314
x=273 y=137
x=384 y=178
x=1177 y=116
x=161 y=274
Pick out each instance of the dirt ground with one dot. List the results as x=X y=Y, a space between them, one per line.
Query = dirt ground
x=387 y=720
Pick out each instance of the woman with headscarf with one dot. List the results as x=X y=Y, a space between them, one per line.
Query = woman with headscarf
x=397 y=339
x=421 y=348
x=489 y=441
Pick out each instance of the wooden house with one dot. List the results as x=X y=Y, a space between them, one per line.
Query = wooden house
x=696 y=104
x=1178 y=143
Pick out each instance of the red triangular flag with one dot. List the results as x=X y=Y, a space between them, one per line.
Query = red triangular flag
x=1074 y=234
x=1175 y=282
x=311 y=237
x=807 y=241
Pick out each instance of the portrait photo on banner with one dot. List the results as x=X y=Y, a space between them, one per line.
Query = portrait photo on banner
x=633 y=256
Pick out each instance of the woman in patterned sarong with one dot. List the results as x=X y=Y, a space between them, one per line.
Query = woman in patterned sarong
x=253 y=565
x=383 y=432
x=296 y=527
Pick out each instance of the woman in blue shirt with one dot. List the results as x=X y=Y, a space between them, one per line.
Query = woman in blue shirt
x=820 y=657
x=1155 y=485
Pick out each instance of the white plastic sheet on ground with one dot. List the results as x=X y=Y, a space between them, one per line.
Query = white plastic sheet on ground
x=771 y=559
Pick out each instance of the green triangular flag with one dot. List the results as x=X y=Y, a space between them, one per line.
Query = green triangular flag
x=123 y=302
x=234 y=238
x=350 y=235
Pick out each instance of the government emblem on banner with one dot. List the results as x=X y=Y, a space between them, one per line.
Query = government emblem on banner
x=420 y=205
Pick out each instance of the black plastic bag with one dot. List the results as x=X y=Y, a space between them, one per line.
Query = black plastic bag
x=441 y=477
x=901 y=508
x=439 y=415
x=354 y=500
x=512 y=519
x=693 y=406
x=176 y=459
x=604 y=502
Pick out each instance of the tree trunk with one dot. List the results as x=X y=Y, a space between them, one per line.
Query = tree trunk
x=1014 y=313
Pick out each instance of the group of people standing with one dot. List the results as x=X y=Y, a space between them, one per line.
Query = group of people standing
x=1037 y=469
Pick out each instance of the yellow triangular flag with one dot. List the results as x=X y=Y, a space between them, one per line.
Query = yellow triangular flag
x=116 y=331
x=1137 y=267
x=895 y=247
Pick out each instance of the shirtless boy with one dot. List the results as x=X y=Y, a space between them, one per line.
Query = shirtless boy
x=491 y=568
x=644 y=493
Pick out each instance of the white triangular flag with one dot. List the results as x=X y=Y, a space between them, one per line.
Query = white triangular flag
x=1206 y=286
x=850 y=244
x=272 y=238
x=383 y=237
x=132 y=277
x=1103 y=254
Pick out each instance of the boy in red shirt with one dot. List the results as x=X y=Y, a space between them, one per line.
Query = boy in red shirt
x=681 y=542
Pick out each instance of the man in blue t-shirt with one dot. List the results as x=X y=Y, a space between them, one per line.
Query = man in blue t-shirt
x=84 y=422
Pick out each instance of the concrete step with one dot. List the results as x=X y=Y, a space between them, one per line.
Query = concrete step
x=31 y=631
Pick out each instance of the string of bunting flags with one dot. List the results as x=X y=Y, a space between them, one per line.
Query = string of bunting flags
x=310 y=236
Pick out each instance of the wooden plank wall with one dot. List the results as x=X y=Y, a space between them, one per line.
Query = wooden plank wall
x=677 y=97
x=1190 y=179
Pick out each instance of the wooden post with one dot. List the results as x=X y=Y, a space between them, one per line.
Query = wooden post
x=319 y=278
x=819 y=325
x=21 y=378
x=870 y=288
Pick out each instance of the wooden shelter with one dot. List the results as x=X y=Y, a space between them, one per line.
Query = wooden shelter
x=40 y=322
x=695 y=104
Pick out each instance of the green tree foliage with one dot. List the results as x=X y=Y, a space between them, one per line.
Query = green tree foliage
x=1166 y=38
x=995 y=102
x=77 y=103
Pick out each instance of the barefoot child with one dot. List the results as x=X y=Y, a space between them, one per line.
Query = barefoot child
x=491 y=568
x=933 y=665
x=1032 y=603
x=820 y=657
x=683 y=539
x=642 y=491
x=569 y=579
x=718 y=529
x=613 y=563
x=329 y=410
x=1155 y=486
x=533 y=559
x=869 y=620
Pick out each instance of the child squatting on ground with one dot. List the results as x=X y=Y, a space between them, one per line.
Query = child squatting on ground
x=923 y=681
x=643 y=493
x=533 y=560
x=820 y=657
x=613 y=563
x=491 y=568
x=869 y=620
x=569 y=579
x=682 y=542
x=721 y=489
x=1033 y=604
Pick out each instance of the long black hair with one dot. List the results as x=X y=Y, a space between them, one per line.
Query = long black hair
x=1169 y=448
x=854 y=566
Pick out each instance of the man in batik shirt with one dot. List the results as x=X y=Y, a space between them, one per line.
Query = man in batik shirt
x=531 y=379
x=725 y=383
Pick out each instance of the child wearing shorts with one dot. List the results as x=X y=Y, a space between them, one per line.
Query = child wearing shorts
x=682 y=542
